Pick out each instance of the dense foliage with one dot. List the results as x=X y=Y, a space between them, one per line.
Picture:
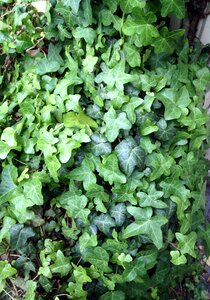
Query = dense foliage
x=102 y=141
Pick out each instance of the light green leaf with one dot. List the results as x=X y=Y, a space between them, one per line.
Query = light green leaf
x=8 y=135
x=86 y=240
x=141 y=24
x=129 y=155
x=128 y=5
x=173 y=186
x=167 y=40
x=53 y=166
x=8 y=178
x=61 y=265
x=84 y=173
x=182 y=205
x=80 y=120
x=187 y=243
x=177 y=258
x=6 y=271
x=75 y=206
x=98 y=257
x=115 y=76
x=4 y=149
x=132 y=55
x=33 y=190
x=30 y=290
x=74 y=4
x=116 y=295
x=109 y=170
x=176 y=7
x=114 y=123
x=151 y=199
x=130 y=108
x=161 y=164
x=145 y=224
x=88 y=34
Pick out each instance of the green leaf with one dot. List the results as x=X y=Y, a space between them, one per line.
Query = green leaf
x=118 y=212
x=6 y=271
x=151 y=199
x=129 y=155
x=80 y=120
x=8 y=177
x=73 y=4
x=128 y=5
x=176 y=7
x=116 y=295
x=173 y=186
x=132 y=55
x=84 y=173
x=182 y=205
x=177 y=258
x=86 y=240
x=174 y=102
x=162 y=165
x=75 y=206
x=115 y=76
x=53 y=166
x=8 y=135
x=4 y=149
x=109 y=170
x=167 y=40
x=61 y=264
x=30 y=290
x=33 y=191
x=100 y=145
x=187 y=243
x=141 y=24
x=98 y=257
x=145 y=224
x=88 y=34
x=19 y=235
x=130 y=108
x=114 y=123
x=104 y=223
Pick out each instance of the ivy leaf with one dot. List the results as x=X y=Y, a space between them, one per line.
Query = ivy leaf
x=87 y=240
x=73 y=4
x=151 y=199
x=109 y=170
x=80 y=120
x=141 y=24
x=162 y=165
x=98 y=257
x=61 y=264
x=129 y=155
x=104 y=223
x=53 y=166
x=187 y=243
x=174 y=187
x=115 y=76
x=128 y=5
x=176 y=7
x=33 y=191
x=174 y=102
x=100 y=145
x=177 y=258
x=132 y=55
x=196 y=118
x=116 y=295
x=114 y=123
x=118 y=213
x=6 y=271
x=30 y=290
x=182 y=205
x=130 y=108
x=84 y=173
x=166 y=42
x=75 y=206
x=19 y=235
x=8 y=177
x=150 y=226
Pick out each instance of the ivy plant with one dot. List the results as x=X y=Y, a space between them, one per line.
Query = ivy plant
x=102 y=139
